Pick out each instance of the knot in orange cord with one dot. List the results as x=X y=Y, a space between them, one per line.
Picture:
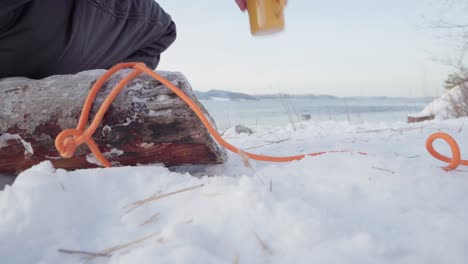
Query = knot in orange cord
x=66 y=142
x=453 y=162
x=69 y=140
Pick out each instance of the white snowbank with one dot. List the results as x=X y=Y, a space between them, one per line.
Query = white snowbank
x=443 y=106
x=395 y=205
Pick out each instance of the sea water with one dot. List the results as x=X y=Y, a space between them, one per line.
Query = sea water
x=281 y=112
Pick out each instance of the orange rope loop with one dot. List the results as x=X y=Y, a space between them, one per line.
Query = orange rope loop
x=68 y=140
x=453 y=162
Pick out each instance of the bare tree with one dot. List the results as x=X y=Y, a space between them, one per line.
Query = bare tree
x=452 y=25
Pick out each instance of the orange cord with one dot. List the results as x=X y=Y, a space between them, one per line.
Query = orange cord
x=68 y=140
x=453 y=162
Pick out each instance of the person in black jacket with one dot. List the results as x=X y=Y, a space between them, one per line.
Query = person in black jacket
x=39 y=38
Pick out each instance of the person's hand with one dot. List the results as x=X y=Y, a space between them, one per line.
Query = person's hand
x=242 y=4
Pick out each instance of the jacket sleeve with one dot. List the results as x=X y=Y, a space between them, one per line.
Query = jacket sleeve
x=7 y=6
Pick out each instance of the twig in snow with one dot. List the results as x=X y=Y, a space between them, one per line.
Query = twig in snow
x=78 y=252
x=269 y=143
x=259 y=146
x=391 y=129
x=355 y=139
x=222 y=133
x=421 y=131
x=288 y=111
x=135 y=205
x=126 y=245
x=269 y=133
x=277 y=141
x=262 y=243
x=412 y=157
x=461 y=128
x=392 y=135
x=245 y=159
x=382 y=169
x=152 y=219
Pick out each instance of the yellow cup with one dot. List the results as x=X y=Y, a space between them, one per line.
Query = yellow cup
x=266 y=16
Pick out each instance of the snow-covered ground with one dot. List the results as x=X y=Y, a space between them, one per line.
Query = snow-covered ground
x=395 y=205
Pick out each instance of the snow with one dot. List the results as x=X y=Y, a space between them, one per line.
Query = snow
x=442 y=107
x=220 y=99
x=110 y=154
x=5 y=137
x=394 y=205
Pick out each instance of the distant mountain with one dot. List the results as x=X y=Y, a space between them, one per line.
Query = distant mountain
x=224 y=95
x=233 y=96
x=295 y=96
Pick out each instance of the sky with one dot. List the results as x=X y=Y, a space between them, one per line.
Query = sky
x=337 y=47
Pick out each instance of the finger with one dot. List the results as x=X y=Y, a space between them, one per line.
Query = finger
x=242 y=4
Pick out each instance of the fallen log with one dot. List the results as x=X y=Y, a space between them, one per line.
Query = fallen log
x=146 y=124
x=419 y=118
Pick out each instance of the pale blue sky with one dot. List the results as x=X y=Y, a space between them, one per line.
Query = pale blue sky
x=339 y=47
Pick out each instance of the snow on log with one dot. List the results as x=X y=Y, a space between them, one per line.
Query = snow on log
x=146 y=124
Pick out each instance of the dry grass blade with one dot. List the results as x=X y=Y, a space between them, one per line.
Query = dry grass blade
x=390 y=129
x=135 y=205
x=87 y=253
x=126 y=245
x=389 y=137
x=382 y=169
x=277 y=141
x=222 y=133
x=152 y=219
x=264 y=245
x=259 y=146
x=269 y=133
x=245 y=159
x=288 y=111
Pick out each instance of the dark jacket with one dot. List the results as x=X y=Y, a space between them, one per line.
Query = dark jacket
x=39 y=38
x=8 y=6
x=8 y=11
x=32 y=34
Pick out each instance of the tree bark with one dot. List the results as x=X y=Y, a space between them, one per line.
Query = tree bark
x=146 y=124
